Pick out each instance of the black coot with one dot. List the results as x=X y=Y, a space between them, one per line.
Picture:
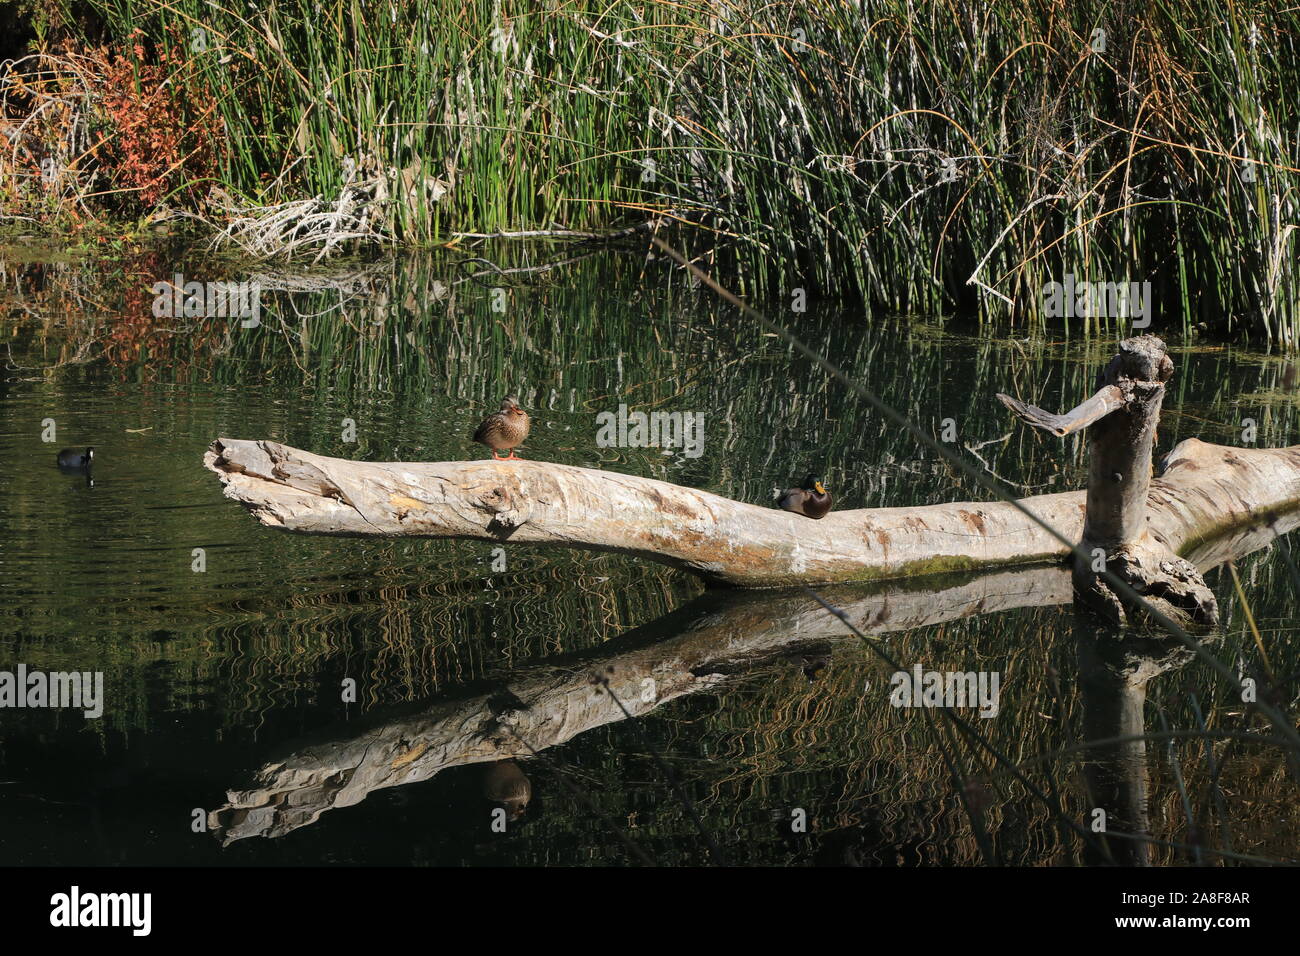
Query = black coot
x=76 y=459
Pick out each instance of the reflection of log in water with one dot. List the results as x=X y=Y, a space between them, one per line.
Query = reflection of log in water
x=1113 y=676
x=689 y=650
x=549 y=703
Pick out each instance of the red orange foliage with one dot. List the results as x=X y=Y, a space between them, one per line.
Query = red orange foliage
x=162 y=127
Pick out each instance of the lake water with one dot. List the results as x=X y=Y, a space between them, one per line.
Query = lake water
x=224 y=698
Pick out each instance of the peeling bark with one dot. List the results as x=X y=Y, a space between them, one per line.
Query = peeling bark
x=1206 y=491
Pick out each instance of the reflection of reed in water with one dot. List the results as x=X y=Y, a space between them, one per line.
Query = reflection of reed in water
x=412 y=629
x=885 y=793
x=406 y=334
x=411 y=635
x=549 y=703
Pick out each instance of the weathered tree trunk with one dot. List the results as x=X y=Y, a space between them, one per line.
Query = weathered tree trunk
x=1118 y=532
x=1207 y=490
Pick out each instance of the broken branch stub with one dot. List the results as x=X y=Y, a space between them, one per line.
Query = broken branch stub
x=1107 y=400
x=1121 y=419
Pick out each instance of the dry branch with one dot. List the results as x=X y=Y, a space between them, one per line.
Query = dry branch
x=1118 y=535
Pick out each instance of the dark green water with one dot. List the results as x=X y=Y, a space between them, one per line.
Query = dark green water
x=212 y=676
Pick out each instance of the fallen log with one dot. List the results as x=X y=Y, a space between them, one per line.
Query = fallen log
x=1206 y=491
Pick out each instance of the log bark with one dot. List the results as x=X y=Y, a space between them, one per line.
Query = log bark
x=1206 y=491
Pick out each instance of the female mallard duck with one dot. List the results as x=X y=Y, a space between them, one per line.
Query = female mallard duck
x=503 y=430
x=812 y=500
x=76 y=459
x=506 y=784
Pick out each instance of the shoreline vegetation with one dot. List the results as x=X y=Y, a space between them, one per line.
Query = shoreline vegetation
x=902 y=157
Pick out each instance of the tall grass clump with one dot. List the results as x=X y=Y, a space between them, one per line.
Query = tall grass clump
x=954 y=156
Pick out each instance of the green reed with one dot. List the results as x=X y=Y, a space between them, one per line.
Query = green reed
x=912 y=157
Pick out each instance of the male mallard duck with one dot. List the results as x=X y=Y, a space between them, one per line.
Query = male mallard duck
x=814 y=666
x=812 y=500
x=75 y=458
x=505 y=429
